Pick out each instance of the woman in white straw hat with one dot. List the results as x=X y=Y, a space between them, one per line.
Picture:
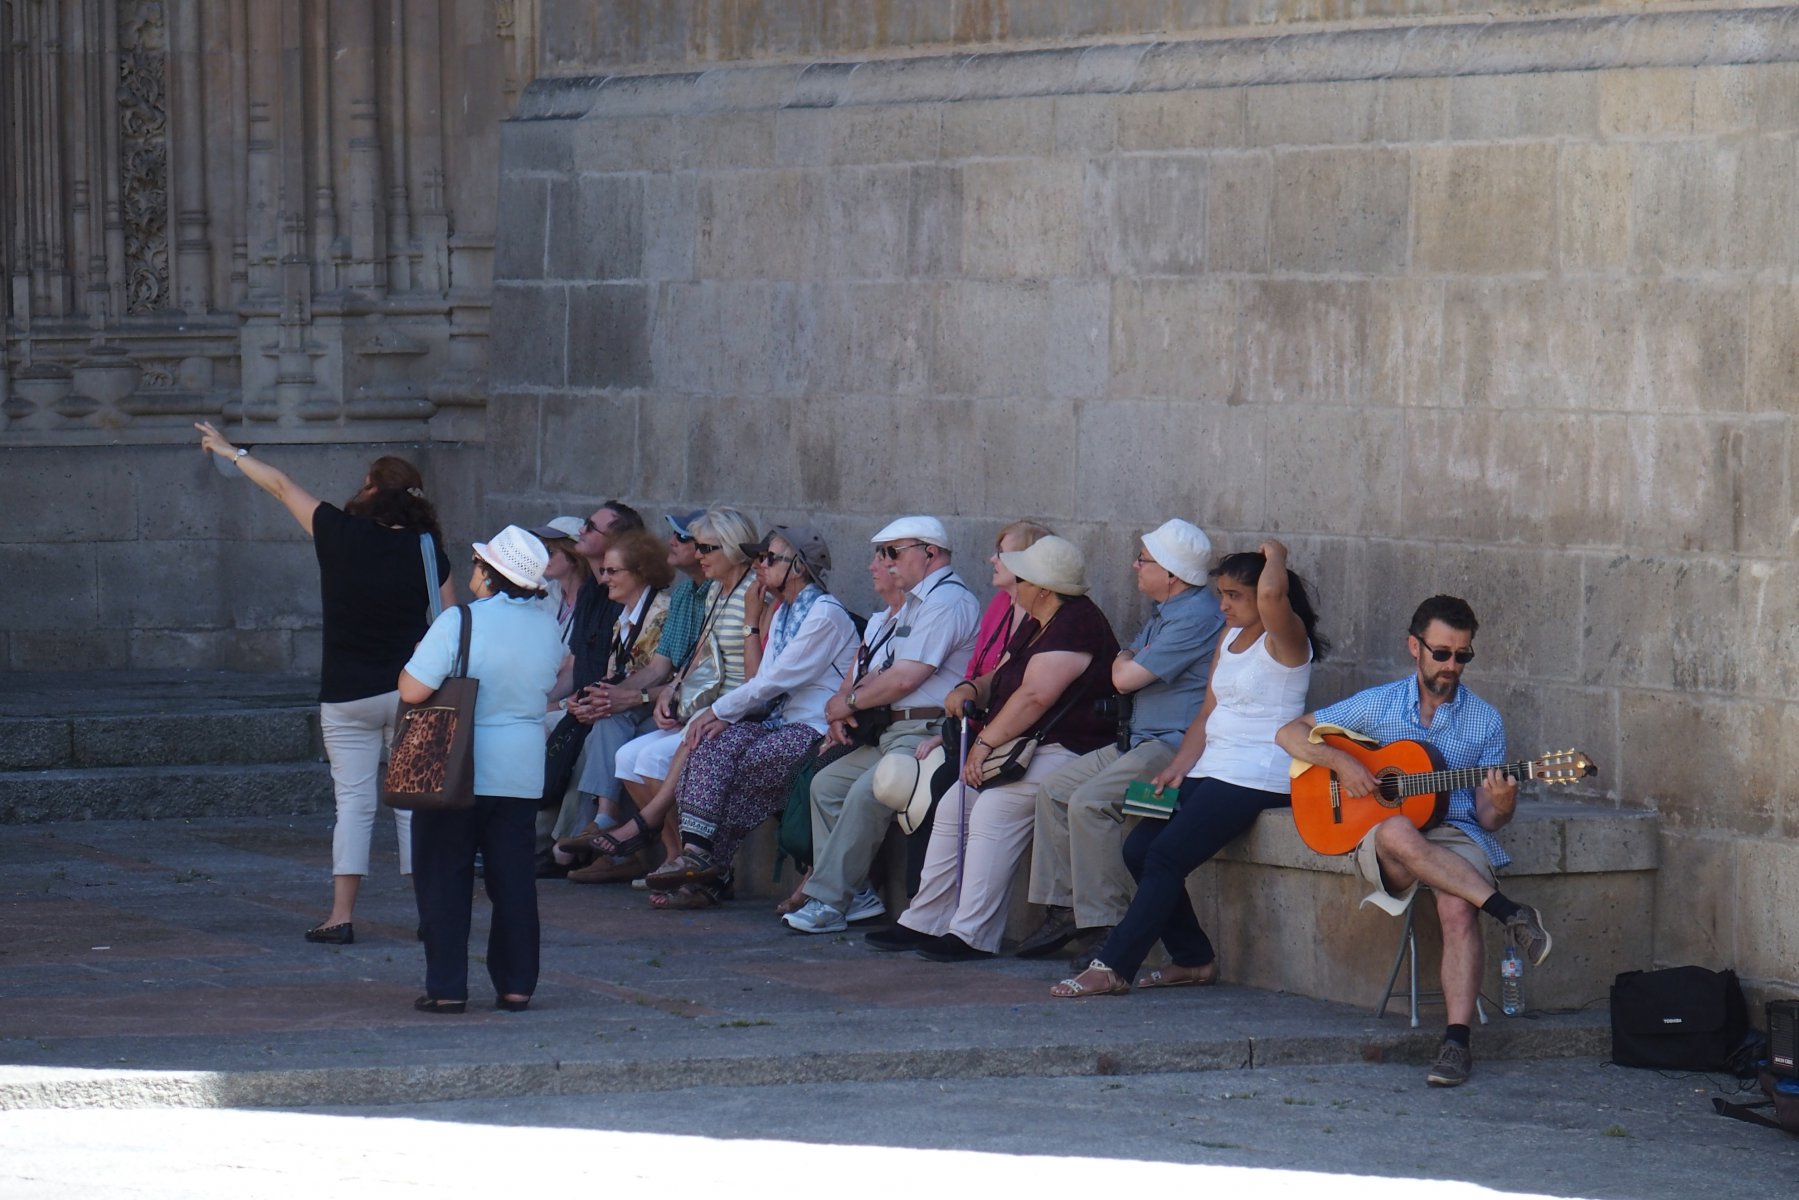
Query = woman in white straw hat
x=1058 y=663
x=514 y=650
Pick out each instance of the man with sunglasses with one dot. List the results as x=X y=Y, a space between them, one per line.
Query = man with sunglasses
x=904 y=681
x=1456 y=859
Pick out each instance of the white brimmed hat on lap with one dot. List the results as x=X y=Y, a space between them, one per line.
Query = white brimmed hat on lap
x=903 y=783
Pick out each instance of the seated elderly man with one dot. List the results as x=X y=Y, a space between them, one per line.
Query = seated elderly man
x=1077 y=860
x=921 y=656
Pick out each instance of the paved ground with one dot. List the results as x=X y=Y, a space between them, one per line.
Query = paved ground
x=156 y=968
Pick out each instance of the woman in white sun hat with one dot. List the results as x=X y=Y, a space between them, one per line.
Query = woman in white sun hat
x=514 y=650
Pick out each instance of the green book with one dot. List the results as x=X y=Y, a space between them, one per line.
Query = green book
x=1142 y=800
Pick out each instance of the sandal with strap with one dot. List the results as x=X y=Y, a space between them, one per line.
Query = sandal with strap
x=692 y=866
x=614 y=846
x=1105 y=982
x=1204 y=976
x=687 y=896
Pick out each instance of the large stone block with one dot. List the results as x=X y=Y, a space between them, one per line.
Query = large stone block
x=1151 y=214
x=990 y=339
x=741 y=450
x=1676 y=345
x=527 y=343
x=1593 y=206
x=1702 y=484
x=130 y=592
x=670 y=226
x=1715 y=204
x=62 y=592
x=716 y=141
x=539 y=146
x=67 y=650
x=1334 y=471
x=1018 y=128
x=1019 y=451
x=1541 y=717
x=613 y=143
x=514 y=439
x=865 y=235
x=1022 y=219
x=590 y=445
x=1085 y=126
x=1702 y=762
x=733 y=338
x=608 y=335
x=1772 y=371
x=1143 y=461
x=1174 y=338
x=265 y=587
x=934 y=222
x=1305 y=342
x=1562 y=104
x=664 y=420
x=1239 y=196
x=596 y=228
x=1347 y=113
x=864 y=454
x=524 y=209
x=857 y=134
x=1484 y=209
x=1341 y=211
x=1646 y=101
x=1701 y=927
x=267 y=650
x=1201 y=119
x=69 y=495
x=1745 y=97
x=1077 y=357
x=872 y=339
x=760 y=225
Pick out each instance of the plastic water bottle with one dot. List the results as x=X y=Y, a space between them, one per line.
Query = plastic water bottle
x=1511 y=981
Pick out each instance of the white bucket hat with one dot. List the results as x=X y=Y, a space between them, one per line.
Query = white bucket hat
x=903 y=783
x=516 y=555
x=1182 y=549
x=1050 y=562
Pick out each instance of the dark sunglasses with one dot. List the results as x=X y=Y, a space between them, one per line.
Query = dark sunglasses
x=705 y=548
x=1463 y=657
x=683 y=538
x=892 y=553
x=609 y=572
x=587 y=526
x=769 y=558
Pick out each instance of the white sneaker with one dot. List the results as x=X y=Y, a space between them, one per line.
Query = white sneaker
x=816 y=917
x=864 y=905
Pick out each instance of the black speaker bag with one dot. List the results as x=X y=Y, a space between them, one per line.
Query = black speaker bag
x=1679 y=1019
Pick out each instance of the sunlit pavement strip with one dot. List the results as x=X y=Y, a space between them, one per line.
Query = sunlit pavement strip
x=239 y=1154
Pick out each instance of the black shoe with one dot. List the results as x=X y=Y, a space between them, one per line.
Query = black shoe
x=896 y=937
x=950 y=948
x=1057 y=930
x=549 y=868
x=426 y=1004
x=332 y=935
x=505 y=1005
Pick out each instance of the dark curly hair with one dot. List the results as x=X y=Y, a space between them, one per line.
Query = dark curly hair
x=1246 y=568
x=394 y=495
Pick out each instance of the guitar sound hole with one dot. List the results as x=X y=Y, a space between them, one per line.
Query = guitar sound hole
x=1389 y=789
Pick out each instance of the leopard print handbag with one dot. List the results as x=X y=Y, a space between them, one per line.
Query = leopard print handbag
x=431 y=765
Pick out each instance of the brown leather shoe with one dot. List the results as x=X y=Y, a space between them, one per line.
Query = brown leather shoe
x=605 y=870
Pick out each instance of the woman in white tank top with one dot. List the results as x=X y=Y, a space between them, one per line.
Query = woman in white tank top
x=1228 y=770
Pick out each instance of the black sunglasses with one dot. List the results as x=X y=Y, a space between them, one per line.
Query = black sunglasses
x=1438 y=654
x=705 y=548
x=892 y=553
x=769 y=558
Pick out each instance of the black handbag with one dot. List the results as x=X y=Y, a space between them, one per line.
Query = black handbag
x=431 y=764
x=1678 y=1019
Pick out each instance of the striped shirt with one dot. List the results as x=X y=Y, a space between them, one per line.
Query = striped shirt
x=1466 y=730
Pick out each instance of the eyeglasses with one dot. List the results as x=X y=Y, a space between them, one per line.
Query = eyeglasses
x=609 y=572
x=892 y=553
x=1144 y=560
x=769 y=558
x=1438 y=654
x=705 y=548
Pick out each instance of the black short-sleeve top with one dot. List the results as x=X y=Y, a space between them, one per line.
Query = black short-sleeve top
x=1078 y=626
x=373 y=592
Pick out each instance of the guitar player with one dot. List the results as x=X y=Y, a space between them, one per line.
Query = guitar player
x=1457 y=858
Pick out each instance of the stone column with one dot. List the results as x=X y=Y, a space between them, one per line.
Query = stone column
x=187 y=145
x=356 y=109
x=394 y=122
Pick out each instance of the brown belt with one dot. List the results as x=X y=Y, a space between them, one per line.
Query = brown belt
x=917 y=714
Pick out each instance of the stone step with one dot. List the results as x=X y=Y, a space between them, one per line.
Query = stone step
x=223 y=735
x=148 y=793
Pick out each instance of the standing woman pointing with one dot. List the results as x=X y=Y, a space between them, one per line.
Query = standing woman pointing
x=375 y=598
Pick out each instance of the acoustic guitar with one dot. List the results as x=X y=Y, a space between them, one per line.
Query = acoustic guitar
x=1412 y=782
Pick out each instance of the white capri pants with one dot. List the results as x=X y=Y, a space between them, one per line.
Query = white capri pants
x=355 y=733
x=649 y=756
x=1000 y=820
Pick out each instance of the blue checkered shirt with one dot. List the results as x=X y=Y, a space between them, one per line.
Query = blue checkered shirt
x=686 y=613
x=1467 y=731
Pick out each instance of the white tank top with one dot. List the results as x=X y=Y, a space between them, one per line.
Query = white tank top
x=1255 y=696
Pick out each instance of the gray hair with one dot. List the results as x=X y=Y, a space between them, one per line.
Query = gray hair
x=728 y=528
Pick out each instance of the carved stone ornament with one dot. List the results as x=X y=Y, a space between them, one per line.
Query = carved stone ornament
x=144 y=153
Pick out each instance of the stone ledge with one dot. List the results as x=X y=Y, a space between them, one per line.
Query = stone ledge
x=1665 y=39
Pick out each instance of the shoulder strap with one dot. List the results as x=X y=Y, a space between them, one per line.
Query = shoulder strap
x=1061 y=711
x=467 y=616
x=1746 y=1112
x=433 y=585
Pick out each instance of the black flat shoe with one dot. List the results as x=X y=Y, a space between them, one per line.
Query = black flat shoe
x=505 y=1005
x=428 y=1005
x=332 y=935
x=897 y=937
x=951 y=949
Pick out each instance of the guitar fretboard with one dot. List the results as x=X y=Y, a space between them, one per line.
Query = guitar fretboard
x=1449 y=780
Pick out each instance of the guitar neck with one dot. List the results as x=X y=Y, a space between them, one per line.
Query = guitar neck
x=1451 y=779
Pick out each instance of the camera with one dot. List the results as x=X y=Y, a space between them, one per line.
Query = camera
x=1117 y=709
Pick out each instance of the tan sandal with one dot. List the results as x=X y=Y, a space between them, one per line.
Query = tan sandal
x=1204 y=976
x=1105 y=982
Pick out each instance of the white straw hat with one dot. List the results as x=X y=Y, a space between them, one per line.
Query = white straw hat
x=517 y=555
x=1050 y=562
x=1182 y=549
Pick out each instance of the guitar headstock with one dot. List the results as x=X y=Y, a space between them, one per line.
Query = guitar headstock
x=1563 y=766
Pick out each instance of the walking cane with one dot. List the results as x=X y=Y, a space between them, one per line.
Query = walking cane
x=962 y=795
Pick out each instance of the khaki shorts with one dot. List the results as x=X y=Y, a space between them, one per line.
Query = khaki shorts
x=1448 y=836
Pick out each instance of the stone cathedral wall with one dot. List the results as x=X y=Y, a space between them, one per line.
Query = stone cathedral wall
x=1501 y=307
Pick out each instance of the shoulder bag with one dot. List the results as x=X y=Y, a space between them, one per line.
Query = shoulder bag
x=431 y=765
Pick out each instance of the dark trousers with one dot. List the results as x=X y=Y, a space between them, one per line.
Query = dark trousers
x=443 y=877
x=1160 y=856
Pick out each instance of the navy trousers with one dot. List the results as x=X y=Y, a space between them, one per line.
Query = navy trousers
x=443 y=877
x=1160 y=856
